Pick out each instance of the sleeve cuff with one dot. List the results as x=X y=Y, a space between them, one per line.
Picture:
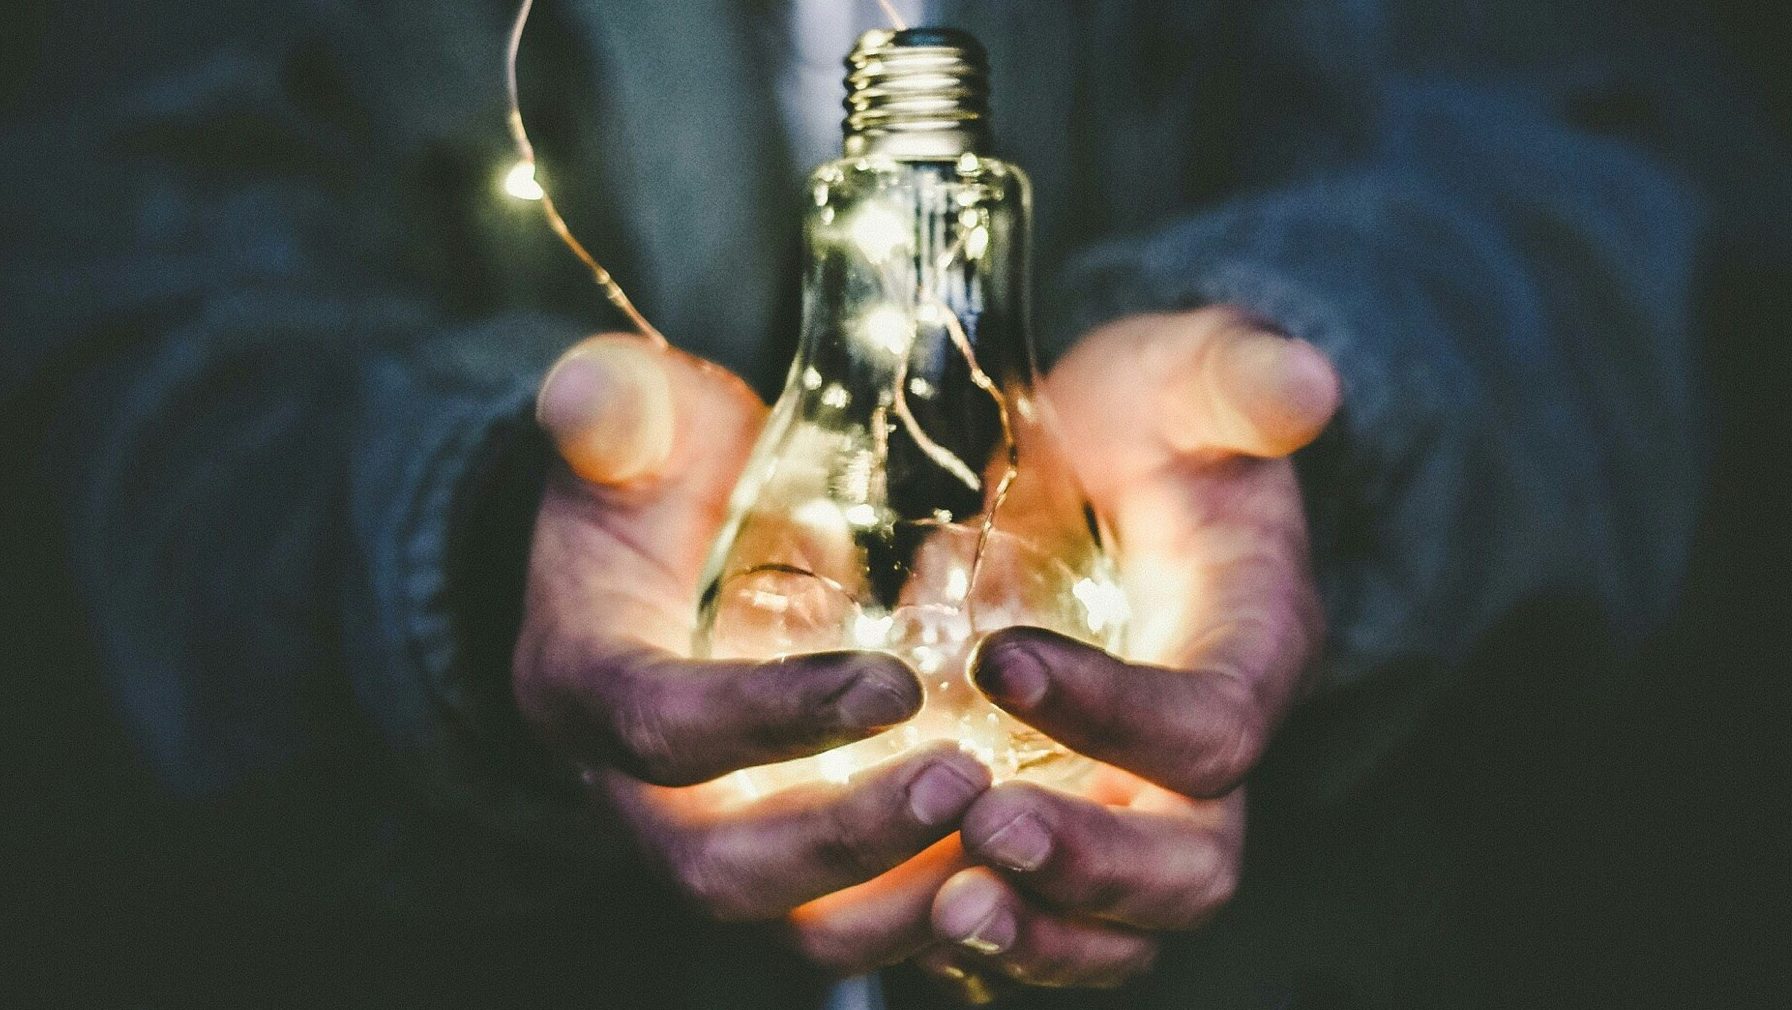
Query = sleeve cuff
x=443 y=504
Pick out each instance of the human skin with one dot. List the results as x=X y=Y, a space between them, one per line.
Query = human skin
x=1179 y=426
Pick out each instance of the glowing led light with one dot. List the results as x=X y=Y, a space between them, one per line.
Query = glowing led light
x=811 y=379
x=871 y=632
x=1104 y=601
x=890 y=328
x=879 y=232
x=819 y=516
x=976 y=243
x=520 y=182
x=920 y=387
x=958 y=584
x=861 y=515
x=836 y=396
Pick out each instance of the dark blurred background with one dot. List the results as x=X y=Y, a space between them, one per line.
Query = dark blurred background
x=1653 y=874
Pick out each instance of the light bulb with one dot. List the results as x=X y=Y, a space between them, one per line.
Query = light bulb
x=908 y=494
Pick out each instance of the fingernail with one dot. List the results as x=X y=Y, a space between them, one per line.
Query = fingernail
x=1011 y=675
x=1022 y=844
x=975 y=919
x=940 y=794
x=873 y=703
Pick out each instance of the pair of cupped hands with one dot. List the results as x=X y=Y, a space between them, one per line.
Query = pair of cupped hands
x=1179 y=426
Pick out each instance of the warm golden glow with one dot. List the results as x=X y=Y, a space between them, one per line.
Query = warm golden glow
x=520 y=182
x=879 y=233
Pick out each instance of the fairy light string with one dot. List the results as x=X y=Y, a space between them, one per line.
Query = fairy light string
x=526 y=152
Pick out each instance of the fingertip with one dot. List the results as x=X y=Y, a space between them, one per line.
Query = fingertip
x=878 y=690
x=1008 y=667
x=972 y=910
x=1312 y=388
x=948 y=783
x=607 y=405
x=1278 y=393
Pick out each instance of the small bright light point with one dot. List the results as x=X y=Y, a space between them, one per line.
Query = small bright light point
x=835 y=396
x=861 y=515
x=1104 y=602
x=976 y=243
x=811 y=379
x=920 y=387
x=520 y=182
x=871 y=632
x=879 y=232
x=958 y=584
x=890 y=328
x=819 y=516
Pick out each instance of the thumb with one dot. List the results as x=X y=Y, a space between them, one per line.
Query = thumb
x=607 y=405
x=1248 y=391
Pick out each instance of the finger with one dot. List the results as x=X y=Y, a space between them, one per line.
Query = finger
x=983 y=913
x=1150 y=870
x=1211 y=381
x=760 y=860
x=624 y=530
x=607 y=404
x=1195 y=732
x=675 y=722
x=883 y=921
x=623 y=411
x=1249 y=391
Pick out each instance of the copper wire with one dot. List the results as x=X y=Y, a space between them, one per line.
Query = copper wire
x=526 y=151
x=896 y=21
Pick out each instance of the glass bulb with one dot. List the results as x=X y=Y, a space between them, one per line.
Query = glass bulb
x=908 y=493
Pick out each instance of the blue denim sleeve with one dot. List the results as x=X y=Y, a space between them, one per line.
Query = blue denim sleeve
x=1506 y=293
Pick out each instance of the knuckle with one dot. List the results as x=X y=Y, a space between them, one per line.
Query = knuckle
x=706 y=880
x=1091 y=882
x=846 y=848
x=646 y=744
x=1222 y=884
x=1215 y=889
x=1141 y=963
x=1225 y=760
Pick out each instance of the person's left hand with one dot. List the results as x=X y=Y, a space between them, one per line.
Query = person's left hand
x=1179 y=426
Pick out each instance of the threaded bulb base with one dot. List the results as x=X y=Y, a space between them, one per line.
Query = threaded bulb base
x=920 y=93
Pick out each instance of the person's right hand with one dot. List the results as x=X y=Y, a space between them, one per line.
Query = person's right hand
x=653 y=441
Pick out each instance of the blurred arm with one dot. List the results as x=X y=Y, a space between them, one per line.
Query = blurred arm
x=294 y=452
